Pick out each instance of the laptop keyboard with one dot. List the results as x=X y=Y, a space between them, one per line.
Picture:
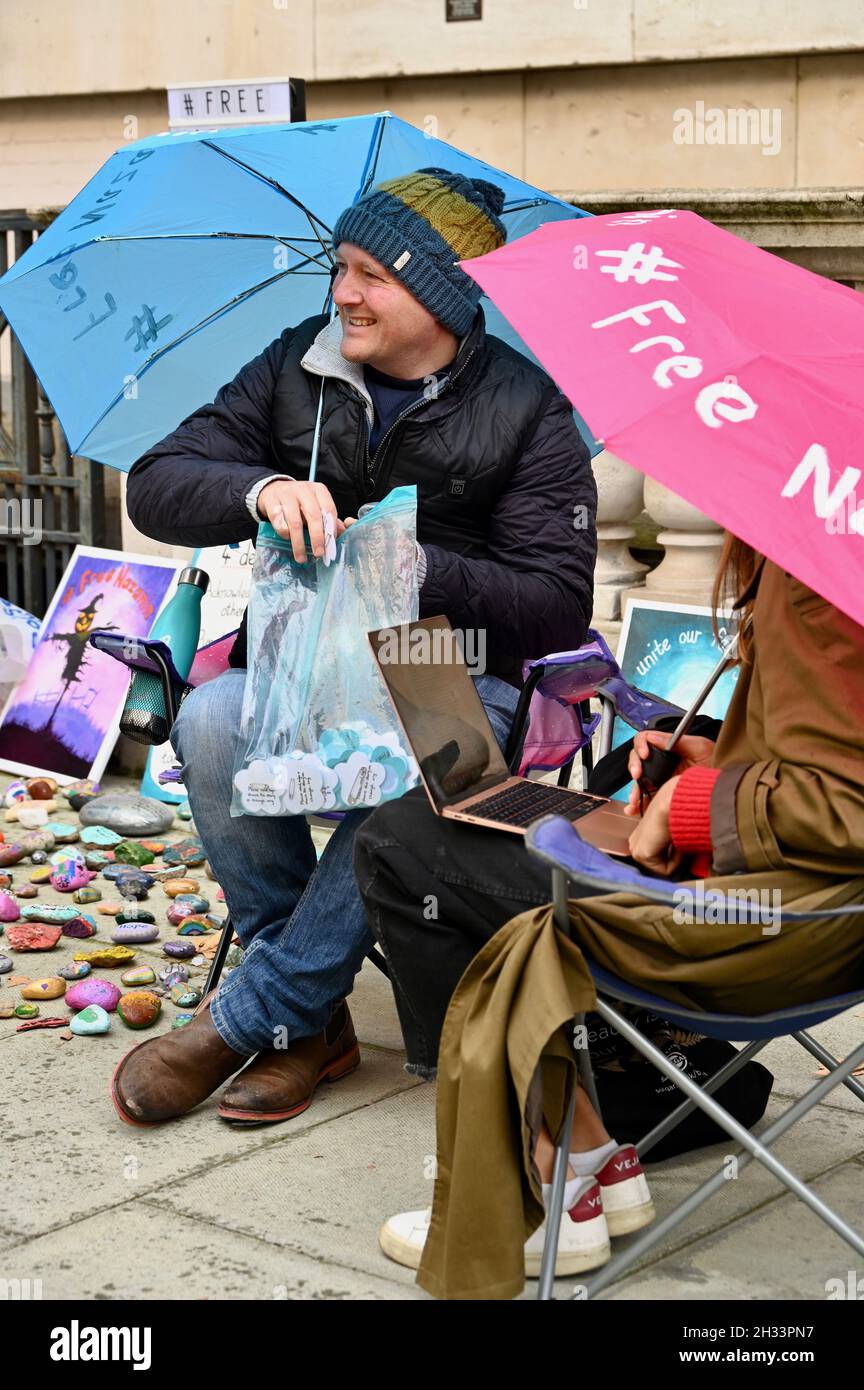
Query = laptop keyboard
x=526 y=803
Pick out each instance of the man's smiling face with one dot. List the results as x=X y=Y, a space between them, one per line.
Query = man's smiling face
x=382 y=323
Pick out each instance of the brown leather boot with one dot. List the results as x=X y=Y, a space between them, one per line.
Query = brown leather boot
x=167 y=1076
x=281 y=1082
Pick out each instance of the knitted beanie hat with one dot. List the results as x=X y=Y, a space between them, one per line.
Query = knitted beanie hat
x=418 y=225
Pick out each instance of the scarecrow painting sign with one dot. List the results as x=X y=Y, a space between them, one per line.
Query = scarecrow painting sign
x=63 y=716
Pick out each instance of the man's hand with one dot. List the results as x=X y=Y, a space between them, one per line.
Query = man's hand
x=289 y=505
x=650 y=843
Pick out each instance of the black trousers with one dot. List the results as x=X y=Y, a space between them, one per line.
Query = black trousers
x=435 y=891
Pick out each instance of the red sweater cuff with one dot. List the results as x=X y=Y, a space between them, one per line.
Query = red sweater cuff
x=690 y=810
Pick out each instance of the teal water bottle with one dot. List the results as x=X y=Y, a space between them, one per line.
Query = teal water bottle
x=145 y=718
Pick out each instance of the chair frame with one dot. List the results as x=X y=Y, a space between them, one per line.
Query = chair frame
x=765 y=1028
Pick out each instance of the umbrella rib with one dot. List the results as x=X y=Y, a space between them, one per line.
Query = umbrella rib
x=181 y=337
x=307 y=257
x=265 y=178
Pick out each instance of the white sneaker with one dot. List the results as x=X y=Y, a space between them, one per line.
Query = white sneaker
x=626 y=1198
x=583 y=1240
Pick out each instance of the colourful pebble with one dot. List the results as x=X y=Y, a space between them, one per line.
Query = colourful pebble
x=180 y=950
x=75 y=970
x=138 y=975
x=11 y=854
x=64 y=832
x=26 y=1010
x=93 y=991
x=41 y=788
x=42 y=874
x=140 y=1008
x=50 y=987
x=9 y=909
x=81 y=927
x=135 y=933
x=108 y=955
x=26 y=890
x=186 y=996
x=130 y=913
x=109 y=909
x=181 y=1020
x=6 y=964
x=31 y=936
x=91 y=1021
x=16 y=791
x=49 y=912
x=174 y=887
x=87 y=895
x=100 y=837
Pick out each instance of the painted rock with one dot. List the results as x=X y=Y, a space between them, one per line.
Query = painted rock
x=220 y=895
x=131 y=913
x=32 y=815
x=49 y=987
x=172 y=975
x=38 y=844
x=197 y=924
x=179 y=911
x=181 y=1020
x=128 y=815
x=109 y=909
x=42 y=874
x=129 y=852
x=31 y=936
x=79 y=793
x=139 y=1009
x=16 y=791
x=97 y=860
x=155 y=846
x=91 y=1020
x=186 y=996
x=26 y=1010
x=80 y=928
x=196 y=902
x=179 y=950
x=9 y=910
x=36 y=1023
x=6 y=964
x=100 y=837
x=11 y=854
x=87 y=895
x=7 y=1008
x=75 y=970
x=174 y=887
x=93 y=991
x=27 y=890
x=65 y=859
x=135 y=933
x=139 y=975
x=69 y=879
x=48 y=912
x=5 y=880
x=41 y=788
x=189 y=852
x=133 y=884
x=108 y=955
x=64 y=832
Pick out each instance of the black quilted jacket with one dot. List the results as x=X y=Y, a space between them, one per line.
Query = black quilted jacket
x=506 y=496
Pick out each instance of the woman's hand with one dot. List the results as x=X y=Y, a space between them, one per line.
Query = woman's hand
x=691 y=750
x=650 y=843
x=289 y=505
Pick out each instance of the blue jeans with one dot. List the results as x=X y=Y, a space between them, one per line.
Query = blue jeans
x=302 y=924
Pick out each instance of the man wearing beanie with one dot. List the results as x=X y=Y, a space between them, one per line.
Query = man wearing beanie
x=414 y=392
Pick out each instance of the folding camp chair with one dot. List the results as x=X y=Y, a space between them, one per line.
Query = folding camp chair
x=556 y=843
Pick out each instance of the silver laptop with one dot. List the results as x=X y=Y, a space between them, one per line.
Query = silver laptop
x=461 y=764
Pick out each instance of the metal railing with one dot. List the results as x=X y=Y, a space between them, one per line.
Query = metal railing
x=51 y=500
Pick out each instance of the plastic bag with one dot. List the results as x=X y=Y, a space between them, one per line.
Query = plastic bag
x=318 y=729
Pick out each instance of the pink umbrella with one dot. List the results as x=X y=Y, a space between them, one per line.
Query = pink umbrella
x=729 y=375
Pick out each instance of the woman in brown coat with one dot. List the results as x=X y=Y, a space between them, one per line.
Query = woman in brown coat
x=776 y=806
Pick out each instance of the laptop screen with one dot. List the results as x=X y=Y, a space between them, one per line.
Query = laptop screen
x=439 y=708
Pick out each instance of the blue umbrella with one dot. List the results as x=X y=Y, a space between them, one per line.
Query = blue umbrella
x=189 y=252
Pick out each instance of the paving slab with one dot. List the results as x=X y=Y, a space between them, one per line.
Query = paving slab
x=782 y=1251
x=141 y=1251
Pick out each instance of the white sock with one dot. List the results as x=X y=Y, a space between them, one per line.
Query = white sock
x=586 y=1164
x=570 y=1189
